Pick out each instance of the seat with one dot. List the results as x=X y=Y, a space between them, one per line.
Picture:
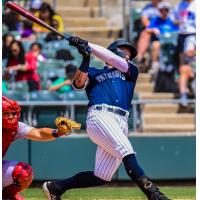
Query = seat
x=44 y=95
x=16 y=95
x=58 y=44
x=51 y=66
x=53 y=63
x=44 y=115
x=81 y=115
x=80 y=110
x=76 y=96
x=21 y=86
x=26 y=45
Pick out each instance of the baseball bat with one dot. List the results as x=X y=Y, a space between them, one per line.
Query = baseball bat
x=25 y=13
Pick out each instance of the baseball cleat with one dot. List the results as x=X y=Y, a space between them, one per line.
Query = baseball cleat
x=158 y=196
x=49 y=193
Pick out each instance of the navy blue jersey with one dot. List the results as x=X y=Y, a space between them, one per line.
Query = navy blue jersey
x=111 y=86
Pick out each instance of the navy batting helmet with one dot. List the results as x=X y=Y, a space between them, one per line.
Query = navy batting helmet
x=122 y=43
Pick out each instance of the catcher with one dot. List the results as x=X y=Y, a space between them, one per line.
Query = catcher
x=16 y=175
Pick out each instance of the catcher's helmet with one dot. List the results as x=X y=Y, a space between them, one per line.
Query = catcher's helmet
x=122 y=43
x=10 y=106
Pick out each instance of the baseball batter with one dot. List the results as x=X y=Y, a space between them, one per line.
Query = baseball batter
x=110 y=91
x=17 y=176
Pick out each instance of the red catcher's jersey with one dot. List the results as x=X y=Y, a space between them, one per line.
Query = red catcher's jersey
x=7 y=137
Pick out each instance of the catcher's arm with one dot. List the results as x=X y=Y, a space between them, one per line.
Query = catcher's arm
x=64 y=126
x=40 y=134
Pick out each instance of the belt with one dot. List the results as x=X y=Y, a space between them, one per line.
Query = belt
x=113 y=110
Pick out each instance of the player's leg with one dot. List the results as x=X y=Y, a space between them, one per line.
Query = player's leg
x=123 y=149
x=105 y=166
x=55 y=189
x=106 y=130
x=104 y=159
x=16 y=176
x=136 y=173
x=109 y=131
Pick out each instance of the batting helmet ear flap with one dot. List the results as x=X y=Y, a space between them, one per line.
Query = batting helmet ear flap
x=123 y=43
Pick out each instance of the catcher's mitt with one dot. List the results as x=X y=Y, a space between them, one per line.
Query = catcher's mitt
x=65 y=125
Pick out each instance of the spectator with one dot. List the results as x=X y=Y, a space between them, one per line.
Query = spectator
x=47 y=14
x=185 y=16
x=25 y=66
x=149 y=12
x=53 y=36
x=64 y=54
x=27 y=32
x=187 y=69
x=7 y=39
x=37 y=49
x=35 y=5
x=158 y=26
x=63 y=85
x=10 y=19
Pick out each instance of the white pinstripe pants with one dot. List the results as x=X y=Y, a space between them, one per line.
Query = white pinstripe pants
x=109 y=131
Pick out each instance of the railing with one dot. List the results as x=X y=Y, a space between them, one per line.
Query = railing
x=69 y=110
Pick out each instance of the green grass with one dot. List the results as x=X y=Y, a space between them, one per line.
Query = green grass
x=114 y=193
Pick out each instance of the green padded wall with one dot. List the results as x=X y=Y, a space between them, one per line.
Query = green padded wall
x=162 y=157
x=165 y=157
x=19 y=151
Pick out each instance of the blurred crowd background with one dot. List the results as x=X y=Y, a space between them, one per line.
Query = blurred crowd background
x=39 y=65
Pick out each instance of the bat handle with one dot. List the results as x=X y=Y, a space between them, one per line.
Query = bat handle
x=88 y=50
x=66 y=37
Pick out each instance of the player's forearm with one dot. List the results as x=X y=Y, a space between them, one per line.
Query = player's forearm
x=80 y=79
x=56 y=87
x=109 y=57
x=41 y=134
x=145 y=21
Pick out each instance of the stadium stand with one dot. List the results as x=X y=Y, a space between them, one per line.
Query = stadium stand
x=82 y=18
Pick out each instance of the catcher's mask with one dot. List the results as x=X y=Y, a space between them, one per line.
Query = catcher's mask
x=122 y=43
x=10 y=113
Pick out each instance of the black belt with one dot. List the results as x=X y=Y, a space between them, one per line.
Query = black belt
x=113 y=110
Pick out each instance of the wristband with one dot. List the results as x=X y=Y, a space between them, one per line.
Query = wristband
x=85 y=64
x=55 y=133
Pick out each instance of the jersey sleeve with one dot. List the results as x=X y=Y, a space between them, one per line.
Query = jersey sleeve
x=133 y=70
x=23 y=130
x=152 y=23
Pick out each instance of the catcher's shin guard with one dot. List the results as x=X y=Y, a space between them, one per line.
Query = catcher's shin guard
x=150 y=189
x=22 y=178
x=11 y=192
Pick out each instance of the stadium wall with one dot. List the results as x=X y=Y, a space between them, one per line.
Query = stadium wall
x=163 y=157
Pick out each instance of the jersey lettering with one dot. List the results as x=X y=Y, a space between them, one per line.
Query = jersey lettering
x=109 y=75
